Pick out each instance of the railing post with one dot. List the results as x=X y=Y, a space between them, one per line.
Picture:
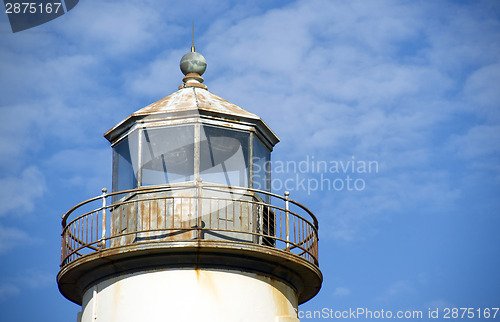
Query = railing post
x=287 y=219
x=63 y=246
x=103 y=241
x=200 y=201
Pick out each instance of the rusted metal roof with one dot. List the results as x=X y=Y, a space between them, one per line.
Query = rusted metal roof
x=189 y=98
x=192 y=99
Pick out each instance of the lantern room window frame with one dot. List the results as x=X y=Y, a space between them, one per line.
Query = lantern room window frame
x=259 y=150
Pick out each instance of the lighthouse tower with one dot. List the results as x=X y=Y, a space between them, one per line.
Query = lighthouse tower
x=191 y=230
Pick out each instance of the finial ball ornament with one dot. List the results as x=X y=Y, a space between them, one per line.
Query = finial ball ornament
x=193 y=62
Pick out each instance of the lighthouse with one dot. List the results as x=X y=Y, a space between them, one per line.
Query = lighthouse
x=190 y=230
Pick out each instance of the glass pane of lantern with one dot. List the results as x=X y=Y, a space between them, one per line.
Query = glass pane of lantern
x=261 y=166
x=167 y=155
x=125 y=163
x=224 y=156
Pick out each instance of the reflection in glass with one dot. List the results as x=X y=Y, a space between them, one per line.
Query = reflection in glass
x=261 y=167
x=224 y=156
x=125 y=163
x=167 y=155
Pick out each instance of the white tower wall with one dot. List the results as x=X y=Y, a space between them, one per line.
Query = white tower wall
x=190 y=295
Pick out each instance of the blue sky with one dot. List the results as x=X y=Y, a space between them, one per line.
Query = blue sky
x=411 y=85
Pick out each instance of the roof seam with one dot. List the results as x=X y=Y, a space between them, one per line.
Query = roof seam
x=196 y=98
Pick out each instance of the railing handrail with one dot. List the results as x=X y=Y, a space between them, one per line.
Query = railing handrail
x=184 y=185
x=110 y=194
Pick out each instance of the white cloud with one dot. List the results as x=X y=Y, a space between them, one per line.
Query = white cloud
x=28 y=280
x=440 y=304
x=479 y=142
x=16 y=136
x=356 y=215
x=462 y=41
x=116 y=28
x=158 y=78
x=341 y=292
x=33 y=279
x=481 y=89
x=11 y=237
x=397 y=290
x=59 y=76
x=84 y=168
x=19 y=194
x=8 y=290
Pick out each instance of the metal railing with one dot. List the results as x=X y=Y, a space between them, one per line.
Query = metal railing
x=186 y=212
